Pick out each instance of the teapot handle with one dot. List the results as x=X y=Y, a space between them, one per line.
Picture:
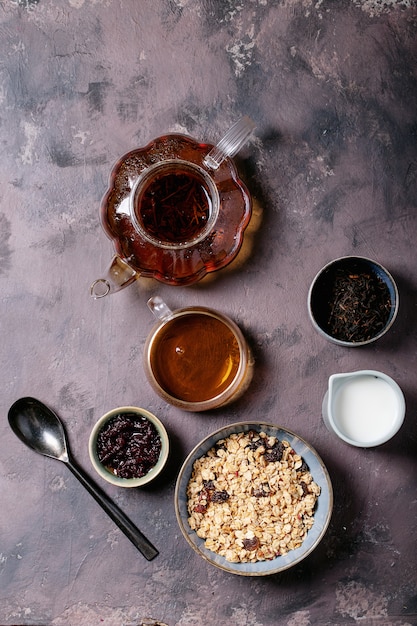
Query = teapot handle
x=118 y=276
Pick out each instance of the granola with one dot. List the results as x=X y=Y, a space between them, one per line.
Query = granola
x=251 y=498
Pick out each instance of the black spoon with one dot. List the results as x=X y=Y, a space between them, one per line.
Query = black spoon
x=41 y=429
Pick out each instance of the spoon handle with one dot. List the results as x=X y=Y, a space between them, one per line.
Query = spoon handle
x=123 y=522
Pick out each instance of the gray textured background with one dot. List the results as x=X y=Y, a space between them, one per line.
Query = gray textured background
x=332 y=87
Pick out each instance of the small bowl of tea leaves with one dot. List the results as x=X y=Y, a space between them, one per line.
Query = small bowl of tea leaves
x=128 y=446
x=353 y=301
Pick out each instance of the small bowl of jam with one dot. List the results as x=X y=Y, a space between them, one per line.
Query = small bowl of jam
x=128 y=446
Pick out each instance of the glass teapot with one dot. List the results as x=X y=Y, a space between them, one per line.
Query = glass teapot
x=175 y=210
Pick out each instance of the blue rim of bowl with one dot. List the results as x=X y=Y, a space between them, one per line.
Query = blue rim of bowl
x=377 y=269
x=322 y=514
x=128 y=482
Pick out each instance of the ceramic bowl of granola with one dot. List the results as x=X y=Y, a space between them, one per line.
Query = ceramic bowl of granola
x=253 y=499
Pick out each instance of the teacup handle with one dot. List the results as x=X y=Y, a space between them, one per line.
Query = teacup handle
x=159 y=309
x=118 y=276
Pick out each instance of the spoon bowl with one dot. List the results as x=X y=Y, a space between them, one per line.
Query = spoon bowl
x=38 y=427
x=40 y=430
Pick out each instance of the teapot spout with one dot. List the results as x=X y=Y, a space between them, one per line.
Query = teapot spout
x=118 y=276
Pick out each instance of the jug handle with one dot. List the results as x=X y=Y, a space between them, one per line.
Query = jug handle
x=118 y=276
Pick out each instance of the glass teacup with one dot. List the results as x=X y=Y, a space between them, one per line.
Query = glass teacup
x=196 y=358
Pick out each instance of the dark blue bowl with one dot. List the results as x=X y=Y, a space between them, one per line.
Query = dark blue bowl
x=322 y=299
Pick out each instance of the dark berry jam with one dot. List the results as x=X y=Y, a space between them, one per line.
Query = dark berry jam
x=128 y=445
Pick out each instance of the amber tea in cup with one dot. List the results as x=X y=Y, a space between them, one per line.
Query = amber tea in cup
x=196 y=358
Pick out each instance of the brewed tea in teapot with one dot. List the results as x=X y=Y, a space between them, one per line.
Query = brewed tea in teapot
x=173 y=212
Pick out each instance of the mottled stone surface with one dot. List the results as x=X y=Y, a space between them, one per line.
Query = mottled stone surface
x=332 y=87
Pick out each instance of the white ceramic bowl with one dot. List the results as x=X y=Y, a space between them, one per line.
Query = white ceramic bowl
x=117 y=480
x=321 y=517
